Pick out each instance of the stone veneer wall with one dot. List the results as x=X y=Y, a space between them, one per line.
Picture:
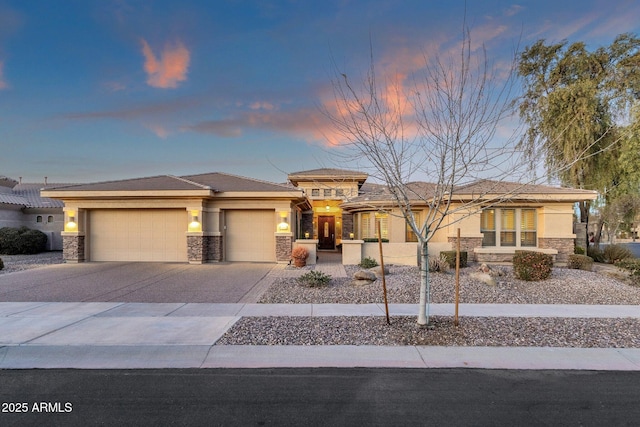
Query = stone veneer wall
x=565 y=247
x=202 y=249
x=306 y=225
x=214 y=248
x=73 y=248
x=347 y=225
x=467 y=244
x=283 y=248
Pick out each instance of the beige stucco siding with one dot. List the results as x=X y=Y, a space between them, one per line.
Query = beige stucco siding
x=155 y=235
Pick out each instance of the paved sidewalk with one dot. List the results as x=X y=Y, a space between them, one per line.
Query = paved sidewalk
x=177 y=335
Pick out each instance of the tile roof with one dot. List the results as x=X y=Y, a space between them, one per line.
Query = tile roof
x=223 y=182
x=28 y=195
x=216 y=181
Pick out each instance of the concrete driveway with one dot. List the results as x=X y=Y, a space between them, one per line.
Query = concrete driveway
x=138 y=282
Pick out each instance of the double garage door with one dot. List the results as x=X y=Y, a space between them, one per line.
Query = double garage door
x=160 y=235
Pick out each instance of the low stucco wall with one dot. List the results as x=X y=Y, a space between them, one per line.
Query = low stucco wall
x=353 y=251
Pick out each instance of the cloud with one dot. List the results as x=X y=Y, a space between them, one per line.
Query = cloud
x=3 y=83
x=170 y=68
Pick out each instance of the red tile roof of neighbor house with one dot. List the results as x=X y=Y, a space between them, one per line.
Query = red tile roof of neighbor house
x=216 y=181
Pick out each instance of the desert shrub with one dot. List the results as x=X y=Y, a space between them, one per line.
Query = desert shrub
x=579 y=250
x=450 y=256
x=314 y=279
x=368 y=262
x=438 y=264
x=16 y=241
x=613 y=253
x=299 y=252
x=580 y=262
x=532 y=266
x=632 y=265
x=1 y=264
x=596 y=254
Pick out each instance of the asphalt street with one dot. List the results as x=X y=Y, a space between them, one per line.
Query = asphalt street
x=319 y=397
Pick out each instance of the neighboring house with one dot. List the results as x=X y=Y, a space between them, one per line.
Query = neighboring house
x=222 y=217
x=22 y=205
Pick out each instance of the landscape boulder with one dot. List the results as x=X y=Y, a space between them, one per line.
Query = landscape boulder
x=363 y=277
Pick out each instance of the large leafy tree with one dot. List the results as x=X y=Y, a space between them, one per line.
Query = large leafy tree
x=578 y=106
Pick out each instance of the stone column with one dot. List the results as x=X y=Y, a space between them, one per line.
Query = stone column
x=73 y=247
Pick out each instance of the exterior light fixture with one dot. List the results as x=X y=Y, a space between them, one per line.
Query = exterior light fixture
x=71 y=224
x=351 y=236
x=283 y=226
x=195 y=225
x=306 y=235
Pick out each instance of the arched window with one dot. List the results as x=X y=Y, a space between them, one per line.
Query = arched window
x=39 y=218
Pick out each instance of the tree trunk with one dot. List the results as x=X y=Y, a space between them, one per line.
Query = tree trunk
x=423 y=312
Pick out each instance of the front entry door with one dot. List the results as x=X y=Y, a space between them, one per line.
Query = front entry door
x=326 y=232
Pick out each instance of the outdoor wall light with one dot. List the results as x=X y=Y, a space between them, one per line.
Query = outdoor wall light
x=71 y=224
x=283 y=226
x=195 y=225
x=351 y=236
x=306 y=235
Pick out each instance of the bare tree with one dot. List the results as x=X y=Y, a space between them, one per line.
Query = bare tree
x=438 y=126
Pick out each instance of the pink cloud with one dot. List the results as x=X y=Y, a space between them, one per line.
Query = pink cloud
x=170 y=68
x=3 y=83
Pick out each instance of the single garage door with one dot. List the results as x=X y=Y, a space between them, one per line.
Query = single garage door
x=250 y=235
x=138 y=235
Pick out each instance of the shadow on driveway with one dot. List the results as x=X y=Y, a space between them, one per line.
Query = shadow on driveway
x=135 y=282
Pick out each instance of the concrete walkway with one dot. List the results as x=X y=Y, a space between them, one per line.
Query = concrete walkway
x=95 y=335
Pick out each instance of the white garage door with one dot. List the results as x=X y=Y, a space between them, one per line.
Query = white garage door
x=250 y=235
x=138 y=235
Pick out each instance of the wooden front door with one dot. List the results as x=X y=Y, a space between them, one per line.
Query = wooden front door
x=326 y=232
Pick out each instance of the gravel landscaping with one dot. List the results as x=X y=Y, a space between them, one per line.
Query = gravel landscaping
x=13 y=263
x=564 y=287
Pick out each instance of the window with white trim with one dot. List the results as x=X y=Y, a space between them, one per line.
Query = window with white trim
x=509 y=227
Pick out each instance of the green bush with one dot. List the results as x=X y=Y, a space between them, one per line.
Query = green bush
x=579 y=250
x=17 y=241
x=532 y=266
x=368 y=262
x=580 y=262
x=596 y=254
x=314 y=279
x=613 y=253
x=374 y=240
x=450 y=256
x=632 y=265
x=438 y=264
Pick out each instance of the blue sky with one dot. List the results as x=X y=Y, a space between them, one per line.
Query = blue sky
x=94 y=90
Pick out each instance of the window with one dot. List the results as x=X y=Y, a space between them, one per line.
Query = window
x=383 y=218
x=39 y=218
x=327 y=192
x=488 y=227
x=528 y=228
x=410 y=236
x=365 y=228
x=508 y=227
x=512 y=227
x=315 y=192
x=50 y=219
x=339 y=192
